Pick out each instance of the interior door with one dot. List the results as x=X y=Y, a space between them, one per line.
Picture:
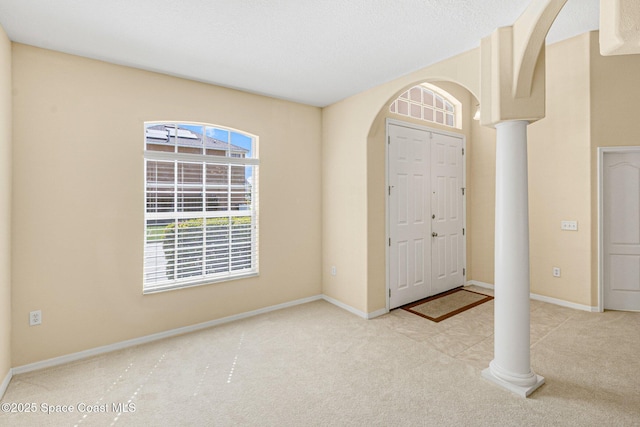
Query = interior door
x=447 y=219
x=621 y=230
x=409 y=210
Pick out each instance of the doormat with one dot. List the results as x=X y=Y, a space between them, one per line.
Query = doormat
x=442 y=306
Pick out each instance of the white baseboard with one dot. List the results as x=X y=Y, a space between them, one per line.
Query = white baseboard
x=377 y=313
x=481 y=284
x=154 y=337
x=345 y=306
x=544 y=298
x=56 y=361
x=564 y=303
x=355 y=310
x=5 y=383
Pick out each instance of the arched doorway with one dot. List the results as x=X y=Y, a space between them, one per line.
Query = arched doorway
x=379 y=212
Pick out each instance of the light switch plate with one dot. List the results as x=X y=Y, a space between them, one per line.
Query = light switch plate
x=569 y=225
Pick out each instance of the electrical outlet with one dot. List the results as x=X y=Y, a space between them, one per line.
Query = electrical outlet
x=569 y=225
x=556 y=271
x=334 y=271
x=35 y=318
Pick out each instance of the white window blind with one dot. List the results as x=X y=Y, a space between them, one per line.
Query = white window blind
x=201 y=216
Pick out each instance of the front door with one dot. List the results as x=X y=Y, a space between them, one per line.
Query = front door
x=621 y=231
x=426 y=241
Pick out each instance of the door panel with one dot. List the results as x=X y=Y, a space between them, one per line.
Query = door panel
x=621 y=230
x=448 y=244
x=409 y=255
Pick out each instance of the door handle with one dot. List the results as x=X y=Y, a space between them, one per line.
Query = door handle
x=434 y=234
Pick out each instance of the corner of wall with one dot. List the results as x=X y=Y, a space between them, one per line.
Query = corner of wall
x=594 y=51
x=5 y=210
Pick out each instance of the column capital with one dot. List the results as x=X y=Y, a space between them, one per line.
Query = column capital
x=619 y=27
x=512 y=66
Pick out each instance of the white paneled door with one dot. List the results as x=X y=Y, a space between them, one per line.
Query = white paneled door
x=409 y=210
x=621 y=230
x=447 y=224
x=425 y=214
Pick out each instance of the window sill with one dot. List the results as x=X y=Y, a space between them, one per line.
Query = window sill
x=199 y=282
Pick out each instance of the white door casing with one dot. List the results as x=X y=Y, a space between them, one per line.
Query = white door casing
x=425 y=178
x=621 y=230
x=409 y=207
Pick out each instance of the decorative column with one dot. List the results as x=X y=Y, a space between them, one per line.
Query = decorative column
x=511 y=366
x=512 y=95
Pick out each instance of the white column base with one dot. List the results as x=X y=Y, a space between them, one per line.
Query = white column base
x=523 y=391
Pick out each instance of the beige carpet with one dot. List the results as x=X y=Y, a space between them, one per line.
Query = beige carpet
x=318 y=365
x=449 y=304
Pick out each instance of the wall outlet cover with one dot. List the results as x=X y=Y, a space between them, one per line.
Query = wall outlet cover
x=35 y=318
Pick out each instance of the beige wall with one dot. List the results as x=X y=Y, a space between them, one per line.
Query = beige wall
x=559 y=186
x=344 y=207
x=78 y=202
x=559 y=183
x=615 y=113
x=481 y=201
x=5 y=205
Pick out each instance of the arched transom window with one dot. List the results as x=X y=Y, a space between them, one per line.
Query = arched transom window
x=428 y=103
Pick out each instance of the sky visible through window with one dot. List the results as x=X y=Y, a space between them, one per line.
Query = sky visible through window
x=228 y=136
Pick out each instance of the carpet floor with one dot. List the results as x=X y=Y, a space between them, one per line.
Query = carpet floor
x=318 y=365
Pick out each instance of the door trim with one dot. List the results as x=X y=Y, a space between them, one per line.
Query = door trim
x=601 y=152
x=386 y=195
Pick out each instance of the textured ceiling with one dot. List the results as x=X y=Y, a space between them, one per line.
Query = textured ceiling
x=312 y=51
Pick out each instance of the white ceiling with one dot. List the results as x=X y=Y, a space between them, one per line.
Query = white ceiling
x=312 y=51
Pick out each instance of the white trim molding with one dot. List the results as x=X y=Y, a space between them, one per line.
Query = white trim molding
x=564 y=303
x=178 y=331
x=543 y=298
x=61 y=360
x=5 y=383
x=377 y=313
x=480 y=284
x=355 y=311
x=154 y=337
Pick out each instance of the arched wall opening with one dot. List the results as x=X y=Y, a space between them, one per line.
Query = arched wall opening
x=353 y=180
x=376 y=180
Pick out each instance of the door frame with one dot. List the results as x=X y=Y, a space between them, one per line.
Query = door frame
x=601 y=152
x=396 y=122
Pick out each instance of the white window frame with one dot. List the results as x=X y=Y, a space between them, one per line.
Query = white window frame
x=446 y=97
x=231 y=158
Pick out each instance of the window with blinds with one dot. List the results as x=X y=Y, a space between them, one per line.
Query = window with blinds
x=201 y=216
